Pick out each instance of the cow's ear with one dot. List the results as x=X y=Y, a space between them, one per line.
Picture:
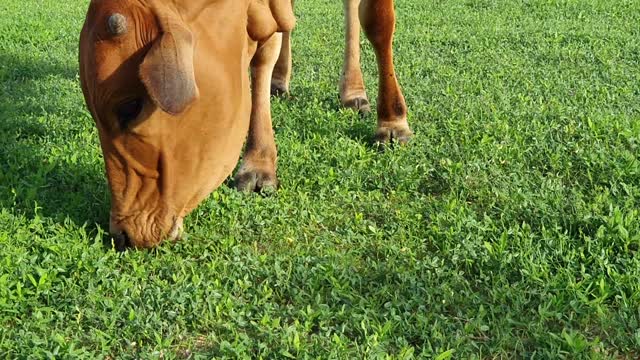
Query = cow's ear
x=266 y=17
x=167 y=70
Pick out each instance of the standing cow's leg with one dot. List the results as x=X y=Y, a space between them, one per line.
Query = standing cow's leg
x=352 y=91
x=377 y=18
x=282 y=71
x=258 y=169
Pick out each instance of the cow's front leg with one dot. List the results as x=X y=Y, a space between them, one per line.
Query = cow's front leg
x=258 y=169
x=352 y=90
x=377 y=18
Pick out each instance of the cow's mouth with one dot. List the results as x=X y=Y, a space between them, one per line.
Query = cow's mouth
x=122 y=239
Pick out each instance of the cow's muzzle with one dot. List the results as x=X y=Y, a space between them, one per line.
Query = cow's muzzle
x=124 y=238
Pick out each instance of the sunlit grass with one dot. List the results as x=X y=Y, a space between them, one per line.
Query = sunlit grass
x=507 y=229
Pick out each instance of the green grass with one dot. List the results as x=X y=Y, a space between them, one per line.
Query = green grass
x=507 y=229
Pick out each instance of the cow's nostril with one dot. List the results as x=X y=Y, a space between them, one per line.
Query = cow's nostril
x=121 y=241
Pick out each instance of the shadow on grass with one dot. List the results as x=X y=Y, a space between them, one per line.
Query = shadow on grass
x=40 y=128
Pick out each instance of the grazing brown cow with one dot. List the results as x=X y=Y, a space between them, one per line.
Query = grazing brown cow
x=166 y=82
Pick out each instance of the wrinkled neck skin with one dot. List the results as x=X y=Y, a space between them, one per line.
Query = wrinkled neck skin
x=163 y=165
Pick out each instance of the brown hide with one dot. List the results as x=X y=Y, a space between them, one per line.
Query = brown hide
x=170 y=95
x=269 y=16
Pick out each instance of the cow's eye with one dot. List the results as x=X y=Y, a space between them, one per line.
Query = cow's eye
x=128 y=111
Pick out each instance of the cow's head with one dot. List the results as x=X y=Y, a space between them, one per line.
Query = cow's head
x=167 y=85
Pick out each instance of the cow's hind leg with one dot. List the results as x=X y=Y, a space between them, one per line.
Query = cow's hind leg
x=352 y=90
x=282 y=71
x=258 y=169
x=377 y=18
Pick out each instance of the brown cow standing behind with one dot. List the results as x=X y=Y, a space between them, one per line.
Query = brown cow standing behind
x=167 y=86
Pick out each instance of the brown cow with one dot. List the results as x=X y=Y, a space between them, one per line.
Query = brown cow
x=166 y=82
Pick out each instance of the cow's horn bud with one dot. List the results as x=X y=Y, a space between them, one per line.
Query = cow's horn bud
x=117 y=24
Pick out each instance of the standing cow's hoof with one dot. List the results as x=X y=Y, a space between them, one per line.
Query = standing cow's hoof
x=359 y=104
x=396 y=132
x=279 y=89
x=256 y=181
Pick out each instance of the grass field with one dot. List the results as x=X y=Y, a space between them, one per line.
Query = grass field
x=507 y=229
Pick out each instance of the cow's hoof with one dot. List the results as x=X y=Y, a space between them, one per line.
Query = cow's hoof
x=279 y=89
x=359 y=104
x=393 y=133
x=256 y=181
